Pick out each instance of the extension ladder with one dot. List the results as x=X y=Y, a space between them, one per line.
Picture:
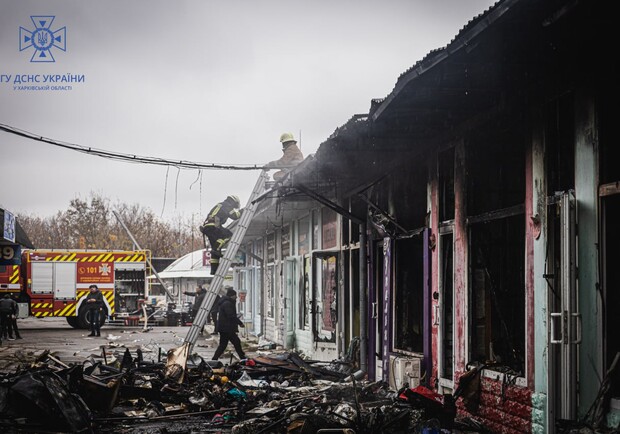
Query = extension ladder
x=231 y=250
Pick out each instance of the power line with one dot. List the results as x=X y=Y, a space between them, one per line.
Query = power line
x=130 y=158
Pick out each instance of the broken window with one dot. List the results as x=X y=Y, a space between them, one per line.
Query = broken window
x=329 y=234
x=303 y=244
x=244 y=291
x=497 y=285
x=446 y=243
x=496 y=174
x=315 y=230
x=258 y=285
x=350 y=302
x=271 y=291
x=611 y=280
x=325 y=297
x=257 y=249
x=446 y=185
x=305 y=307
x=408 y=294
x=408 y=196
x=359 y=208
x=377 y=303
x=271 y=247
x=285 y=242
x=559 y=144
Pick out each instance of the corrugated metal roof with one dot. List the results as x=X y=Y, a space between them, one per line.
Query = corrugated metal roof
x=188 y=266
x=472 y=29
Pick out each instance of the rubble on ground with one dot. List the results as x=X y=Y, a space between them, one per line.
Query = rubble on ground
x=280 y=392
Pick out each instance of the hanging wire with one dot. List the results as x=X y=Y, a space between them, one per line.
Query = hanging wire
x=165 y=190
x=176 y=188
x=195 y=180
x=129 y=158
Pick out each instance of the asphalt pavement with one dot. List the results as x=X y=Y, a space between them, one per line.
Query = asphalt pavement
x=74 y=346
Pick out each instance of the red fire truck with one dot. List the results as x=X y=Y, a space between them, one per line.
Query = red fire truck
x=53 y=283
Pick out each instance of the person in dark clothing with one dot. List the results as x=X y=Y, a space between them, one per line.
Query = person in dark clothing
x=94 y=304
x=227 y=325
x=14 y=321
x=213 y=228
x=213 y=313
x=8 y=309
x=199 y=297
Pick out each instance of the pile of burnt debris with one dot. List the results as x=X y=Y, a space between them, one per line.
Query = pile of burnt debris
x=271 y=393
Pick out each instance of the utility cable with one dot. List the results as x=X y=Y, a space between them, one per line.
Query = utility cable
x=130 y=158
x=165 y=191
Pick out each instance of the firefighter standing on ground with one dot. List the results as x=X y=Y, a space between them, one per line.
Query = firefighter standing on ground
x=213 y=228
x=228 y=324
x=94 y=303
x=291 y=156
x=213 y=313
x=8 y=310
x=14 y=321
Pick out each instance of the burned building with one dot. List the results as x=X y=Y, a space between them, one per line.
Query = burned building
x=469 y=219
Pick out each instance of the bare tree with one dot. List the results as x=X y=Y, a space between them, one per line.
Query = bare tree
x=90 y=224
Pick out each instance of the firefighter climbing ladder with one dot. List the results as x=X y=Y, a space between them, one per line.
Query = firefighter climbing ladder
x=231 y=250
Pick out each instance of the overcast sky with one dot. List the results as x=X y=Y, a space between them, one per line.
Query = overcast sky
x=207 y=81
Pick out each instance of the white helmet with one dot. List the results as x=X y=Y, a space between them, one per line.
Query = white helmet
x=287 y=137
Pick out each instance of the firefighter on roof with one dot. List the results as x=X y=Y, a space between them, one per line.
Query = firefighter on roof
x=213 y=227
x=291 y=156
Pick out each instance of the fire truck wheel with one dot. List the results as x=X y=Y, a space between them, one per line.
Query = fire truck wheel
x=84 y=319
x=73 y=322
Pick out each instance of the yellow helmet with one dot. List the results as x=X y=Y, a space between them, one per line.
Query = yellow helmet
x=287 y=137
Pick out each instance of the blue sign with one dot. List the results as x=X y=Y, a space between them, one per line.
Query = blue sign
x=10 y=254
x=42 y=38
x=8 y=226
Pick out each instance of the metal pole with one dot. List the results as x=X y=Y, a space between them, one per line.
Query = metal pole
x=161 y=282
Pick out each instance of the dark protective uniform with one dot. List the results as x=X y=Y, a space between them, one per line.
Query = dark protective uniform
x=14 y=322
x=228 y=325
x=213 y=312
x=95 y=308
x=8 y=309
x=197 y=301
x=213 y=228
